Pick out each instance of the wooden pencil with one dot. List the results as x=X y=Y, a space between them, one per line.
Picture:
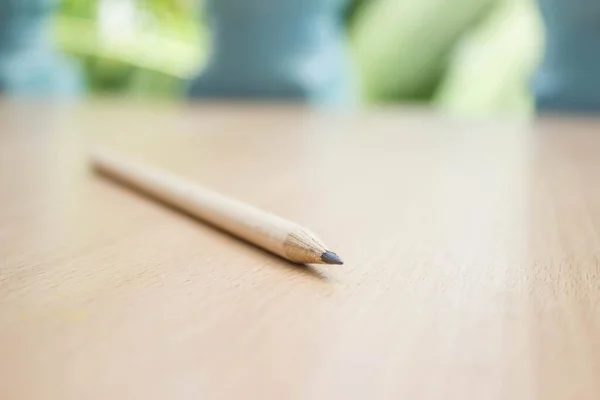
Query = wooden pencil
x=265 y=230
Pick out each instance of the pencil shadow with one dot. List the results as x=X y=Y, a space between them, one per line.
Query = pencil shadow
x=304 y=269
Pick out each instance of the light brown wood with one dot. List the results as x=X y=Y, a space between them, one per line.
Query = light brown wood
x=270 y=232
x=471 y=250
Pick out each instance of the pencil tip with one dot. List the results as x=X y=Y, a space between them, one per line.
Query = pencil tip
x=329 y=257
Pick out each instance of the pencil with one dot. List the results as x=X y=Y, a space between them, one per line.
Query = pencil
x=263 y=229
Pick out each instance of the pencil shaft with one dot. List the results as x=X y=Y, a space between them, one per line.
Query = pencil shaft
x=261 y=228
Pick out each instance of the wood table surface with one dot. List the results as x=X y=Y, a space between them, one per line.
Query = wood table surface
x=471 y=249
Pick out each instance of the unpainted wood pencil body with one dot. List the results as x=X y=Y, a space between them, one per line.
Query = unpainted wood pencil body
x=270 y=232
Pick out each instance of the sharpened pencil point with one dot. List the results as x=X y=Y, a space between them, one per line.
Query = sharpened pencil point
x=329 y=257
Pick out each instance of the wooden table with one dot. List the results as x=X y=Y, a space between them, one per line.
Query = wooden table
x=471 y=248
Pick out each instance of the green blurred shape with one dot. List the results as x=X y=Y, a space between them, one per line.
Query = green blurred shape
x=155 y=61
x=491 y=69
x=402 y=46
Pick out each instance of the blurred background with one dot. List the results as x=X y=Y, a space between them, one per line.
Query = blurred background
x=467 y=56
x=137 y=48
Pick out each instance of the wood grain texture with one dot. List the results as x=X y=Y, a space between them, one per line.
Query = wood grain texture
x=471 y=250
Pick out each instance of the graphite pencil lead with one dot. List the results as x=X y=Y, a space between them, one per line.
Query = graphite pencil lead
x=329 y=257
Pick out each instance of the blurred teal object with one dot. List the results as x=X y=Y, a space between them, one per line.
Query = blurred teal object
x=277 y=49
x=28 y=63
x=569 y=76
